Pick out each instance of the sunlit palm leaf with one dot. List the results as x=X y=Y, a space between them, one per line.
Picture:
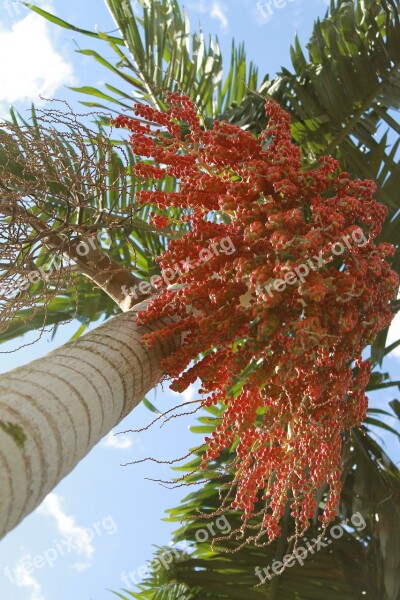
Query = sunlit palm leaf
x=157 y=52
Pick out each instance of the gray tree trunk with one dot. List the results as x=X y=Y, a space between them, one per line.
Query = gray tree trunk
x=55 y=409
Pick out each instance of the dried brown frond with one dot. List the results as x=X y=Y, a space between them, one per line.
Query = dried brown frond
x=63 y=187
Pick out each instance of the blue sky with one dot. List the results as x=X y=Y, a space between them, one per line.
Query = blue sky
x=121 y=510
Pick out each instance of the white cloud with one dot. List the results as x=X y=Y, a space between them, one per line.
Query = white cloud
x=218 y=13
x=24 y=579
x=78 y=536
x=394 y=336
x=79 y=567
x=30 y=64
x=199 y=6
x=120 y=442
x=187 y=395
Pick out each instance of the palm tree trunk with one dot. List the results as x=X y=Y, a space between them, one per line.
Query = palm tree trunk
x=55 y=409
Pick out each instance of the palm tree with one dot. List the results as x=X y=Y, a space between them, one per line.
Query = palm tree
x=335 y=109
x=58 y=190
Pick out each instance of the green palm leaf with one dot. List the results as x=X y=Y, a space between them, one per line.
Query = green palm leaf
x=362 y=562
x=157 y=52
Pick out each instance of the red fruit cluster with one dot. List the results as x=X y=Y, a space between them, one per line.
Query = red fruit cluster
x=158 y=221
x=287 y=365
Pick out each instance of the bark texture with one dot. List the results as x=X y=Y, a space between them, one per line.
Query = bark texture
x=55 y=409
